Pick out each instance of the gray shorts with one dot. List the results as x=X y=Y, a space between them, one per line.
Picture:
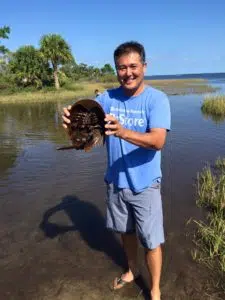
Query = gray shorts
x=129 y=212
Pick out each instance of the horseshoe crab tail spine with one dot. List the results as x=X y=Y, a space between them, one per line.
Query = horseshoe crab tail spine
x=65 y=148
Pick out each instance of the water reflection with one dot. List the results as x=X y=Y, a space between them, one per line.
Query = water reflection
x=39 y=119
x=27 y=124
x=218 y=119
x=9 y=146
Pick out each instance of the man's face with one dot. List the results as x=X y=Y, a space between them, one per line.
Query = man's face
x=130 y=71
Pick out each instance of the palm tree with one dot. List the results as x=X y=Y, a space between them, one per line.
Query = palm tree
x=55 y=49
x=4 y=34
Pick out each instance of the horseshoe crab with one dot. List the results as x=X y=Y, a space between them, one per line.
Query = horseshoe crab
x=87 y=127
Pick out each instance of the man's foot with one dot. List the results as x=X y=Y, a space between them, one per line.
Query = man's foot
x=155 y=295
x=124 y=279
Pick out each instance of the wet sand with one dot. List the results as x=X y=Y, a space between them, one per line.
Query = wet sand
x=70 y=255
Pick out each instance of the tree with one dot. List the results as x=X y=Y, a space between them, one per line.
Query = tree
x=69 y=69
x=4 y=34
x=28 y=67
x=55 y=49
x=107 y=70
x=94 y=73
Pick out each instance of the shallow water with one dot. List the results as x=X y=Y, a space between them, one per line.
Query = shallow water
x=52 y=237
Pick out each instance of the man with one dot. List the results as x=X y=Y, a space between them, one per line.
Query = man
x=137 y=121
x=97 y=93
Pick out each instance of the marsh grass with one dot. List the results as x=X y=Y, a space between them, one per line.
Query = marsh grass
x=81 y=89
x=220 y=163
x=182 y=86
x=214 y=105
x=210 y=235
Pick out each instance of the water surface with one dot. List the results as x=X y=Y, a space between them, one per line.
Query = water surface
x=52 y=207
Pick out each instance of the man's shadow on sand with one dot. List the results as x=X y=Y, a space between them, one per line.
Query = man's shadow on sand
x=88 y=220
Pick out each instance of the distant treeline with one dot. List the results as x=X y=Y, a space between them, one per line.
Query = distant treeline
x=211 y=76
x=52 y=64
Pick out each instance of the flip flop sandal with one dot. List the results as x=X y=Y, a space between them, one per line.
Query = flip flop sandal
x=119 y=281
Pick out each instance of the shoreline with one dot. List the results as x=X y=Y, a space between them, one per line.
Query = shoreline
x=86 y=89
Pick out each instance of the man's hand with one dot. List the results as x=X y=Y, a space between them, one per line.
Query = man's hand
x=153 y=139
x=65 y=116
x=113 y=126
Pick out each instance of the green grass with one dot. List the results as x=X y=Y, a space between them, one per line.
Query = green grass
x=210 y=235
x=220 y=163
x=70 y=92
x=214 y=105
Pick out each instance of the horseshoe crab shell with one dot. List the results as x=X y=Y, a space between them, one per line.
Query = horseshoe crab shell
x=87 y=127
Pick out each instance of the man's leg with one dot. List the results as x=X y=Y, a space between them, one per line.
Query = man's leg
x=154 y=265
x=130 y=247
x=120 y=219
x=149 y=220
x=129 y=241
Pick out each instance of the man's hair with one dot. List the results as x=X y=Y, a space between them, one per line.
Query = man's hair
x=129 y=47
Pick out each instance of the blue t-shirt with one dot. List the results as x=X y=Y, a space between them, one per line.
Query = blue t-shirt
x=131 y=166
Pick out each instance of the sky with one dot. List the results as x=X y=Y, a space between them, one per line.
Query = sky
x=180 y=37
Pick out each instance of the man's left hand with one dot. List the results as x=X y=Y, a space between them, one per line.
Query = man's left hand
x=113 y=126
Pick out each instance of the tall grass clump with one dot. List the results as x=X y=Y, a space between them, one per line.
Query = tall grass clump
x=214 y=105
x=210 y=235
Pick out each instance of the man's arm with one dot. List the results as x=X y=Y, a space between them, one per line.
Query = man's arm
x=155 y=139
